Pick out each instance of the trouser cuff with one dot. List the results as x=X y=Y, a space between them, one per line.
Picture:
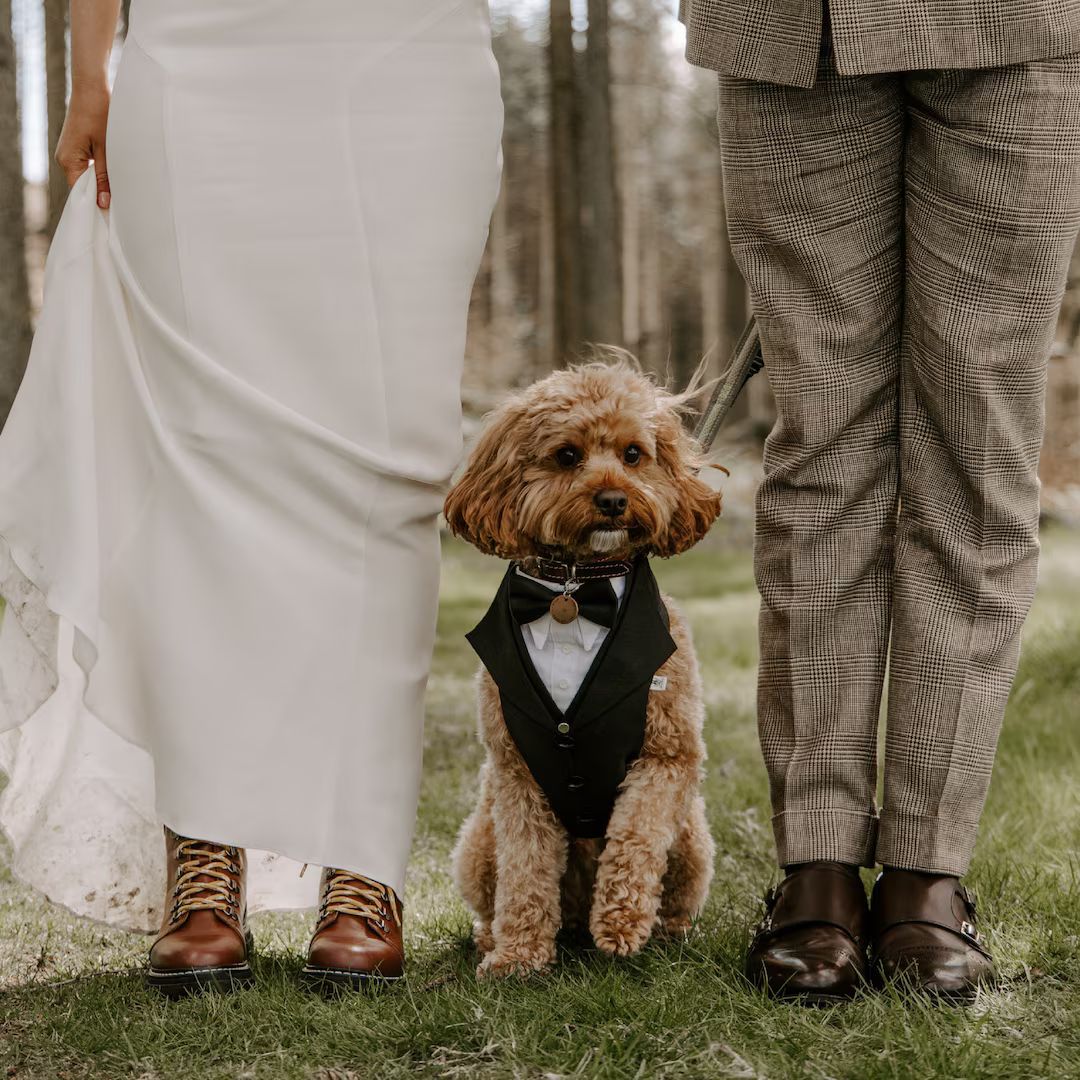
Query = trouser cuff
x=933 y=845
x=835 y=835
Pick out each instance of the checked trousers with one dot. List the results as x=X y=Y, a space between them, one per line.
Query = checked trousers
x=905 y=237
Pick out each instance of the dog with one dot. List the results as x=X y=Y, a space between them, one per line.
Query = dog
x=589 y=467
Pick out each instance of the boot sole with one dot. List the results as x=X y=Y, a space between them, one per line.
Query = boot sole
x=333 y=980
x=187 y=981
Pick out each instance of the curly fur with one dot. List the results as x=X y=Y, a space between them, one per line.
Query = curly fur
x=514 y=863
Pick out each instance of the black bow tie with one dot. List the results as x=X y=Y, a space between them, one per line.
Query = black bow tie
x=529 y=599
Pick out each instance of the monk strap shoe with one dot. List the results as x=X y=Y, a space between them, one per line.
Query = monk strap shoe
x=925 y=935
x=810 y=945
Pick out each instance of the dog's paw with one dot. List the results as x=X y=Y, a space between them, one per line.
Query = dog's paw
x=503 y=963
x=676 y=926
x=483 y=937
x=621 y=932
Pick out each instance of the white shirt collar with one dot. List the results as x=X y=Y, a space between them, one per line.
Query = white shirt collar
x=581 y=630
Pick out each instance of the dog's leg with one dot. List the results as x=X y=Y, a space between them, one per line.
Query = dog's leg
x=473 y=860
x=689 y=871
x=640 y=835
x=577 y=887
x=530 y=854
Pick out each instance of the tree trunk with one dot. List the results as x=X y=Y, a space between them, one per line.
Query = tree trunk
x=651 y=347
x=503 y=287
x=546 y=356
x=603 y=266
x=631 y=249
x=56 y=12
x=568 y=328
x=14 y=292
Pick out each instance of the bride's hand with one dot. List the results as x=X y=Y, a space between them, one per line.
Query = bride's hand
x=82 y=139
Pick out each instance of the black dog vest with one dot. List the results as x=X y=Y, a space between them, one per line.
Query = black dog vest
x=580 y=757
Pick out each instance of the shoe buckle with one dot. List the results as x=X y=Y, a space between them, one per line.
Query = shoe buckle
x=770 y=899
x=969 y=931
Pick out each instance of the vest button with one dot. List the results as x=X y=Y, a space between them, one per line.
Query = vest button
x=564 y=728
x=576 y=783
x=564 y=742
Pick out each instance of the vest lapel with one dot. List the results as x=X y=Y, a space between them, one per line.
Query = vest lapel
x=496 y=640
x=630 y=654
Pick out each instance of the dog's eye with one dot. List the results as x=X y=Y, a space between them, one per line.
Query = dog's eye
x=568 y=456
x=632 y=454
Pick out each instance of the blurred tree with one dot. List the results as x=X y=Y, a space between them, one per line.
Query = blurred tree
x=56 y=17
x=602 y=258
x=14 y=293
x=510 y=319
x=568 y=330
x=649 y=128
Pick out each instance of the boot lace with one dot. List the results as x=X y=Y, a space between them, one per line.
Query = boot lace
x=206 y=878
x=346 y=893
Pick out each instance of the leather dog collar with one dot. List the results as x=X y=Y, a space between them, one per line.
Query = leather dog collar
x=555 y=570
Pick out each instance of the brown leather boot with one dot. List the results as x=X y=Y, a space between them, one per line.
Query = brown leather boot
x=811 y=944
x=924 y=934
x=357 y=940
x=204 y=943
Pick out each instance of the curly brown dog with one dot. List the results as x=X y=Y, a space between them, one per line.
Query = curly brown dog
x=589 y=466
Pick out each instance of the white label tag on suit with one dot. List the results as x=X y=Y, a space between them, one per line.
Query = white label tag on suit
x=659 y=682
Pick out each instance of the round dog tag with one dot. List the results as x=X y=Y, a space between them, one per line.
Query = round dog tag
x=564 y=609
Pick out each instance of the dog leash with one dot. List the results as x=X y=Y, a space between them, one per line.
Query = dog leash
x=746 y=361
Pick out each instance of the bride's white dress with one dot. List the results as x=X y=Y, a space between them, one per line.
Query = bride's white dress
x=220 y=481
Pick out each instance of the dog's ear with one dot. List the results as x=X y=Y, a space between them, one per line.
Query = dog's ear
x=479 y=506
x=696 y=504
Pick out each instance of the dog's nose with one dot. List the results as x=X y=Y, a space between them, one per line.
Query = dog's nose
x=611 y=501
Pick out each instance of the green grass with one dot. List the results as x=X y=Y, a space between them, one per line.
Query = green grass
x=75 y=1005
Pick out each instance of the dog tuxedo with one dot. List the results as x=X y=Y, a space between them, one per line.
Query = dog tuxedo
x=578 y=755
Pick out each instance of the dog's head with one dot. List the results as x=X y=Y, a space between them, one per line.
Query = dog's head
x=591 y=462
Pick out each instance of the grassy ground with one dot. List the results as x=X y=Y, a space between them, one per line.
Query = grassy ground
x=75 y=1006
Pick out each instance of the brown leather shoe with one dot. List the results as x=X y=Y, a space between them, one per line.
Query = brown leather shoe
x=924 y=934
x=357 y=940
x=204 y=943
x=811 y=944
